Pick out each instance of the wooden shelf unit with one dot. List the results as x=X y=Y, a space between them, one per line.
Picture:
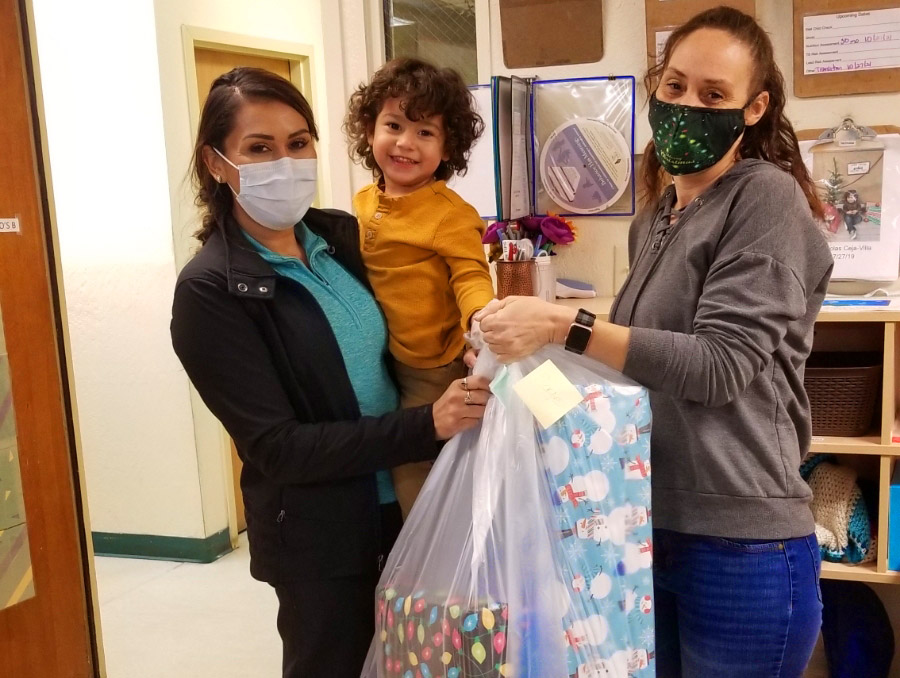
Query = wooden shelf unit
x=870 y=444
x=867 y=573
x=849 y=329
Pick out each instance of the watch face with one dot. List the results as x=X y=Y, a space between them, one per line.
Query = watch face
x=578 y=338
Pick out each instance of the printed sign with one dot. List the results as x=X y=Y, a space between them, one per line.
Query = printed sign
x=852 y=41
x=861 y=205
x=10 y=225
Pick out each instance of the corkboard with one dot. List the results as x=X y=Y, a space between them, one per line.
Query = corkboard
x=833 y=84
x=669 y=14
x=540 y=33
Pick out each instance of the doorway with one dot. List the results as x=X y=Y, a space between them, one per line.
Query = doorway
x=210 y=60
x=46 y=614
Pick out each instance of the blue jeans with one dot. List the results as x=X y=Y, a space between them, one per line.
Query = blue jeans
x=741 y=608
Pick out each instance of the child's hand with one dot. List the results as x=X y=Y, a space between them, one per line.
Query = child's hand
x=476 y=342
x=470 y=357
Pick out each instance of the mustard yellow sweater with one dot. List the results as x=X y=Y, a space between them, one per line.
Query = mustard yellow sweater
x=427 y=266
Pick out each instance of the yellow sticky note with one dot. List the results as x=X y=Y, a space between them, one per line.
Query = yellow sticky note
x=548 y=394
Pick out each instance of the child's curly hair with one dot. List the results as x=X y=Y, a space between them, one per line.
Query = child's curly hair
x=426 y=90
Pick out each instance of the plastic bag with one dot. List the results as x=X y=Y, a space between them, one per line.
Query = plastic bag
x=528 y=551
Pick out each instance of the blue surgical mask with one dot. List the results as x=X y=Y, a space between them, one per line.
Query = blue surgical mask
x=276 y=193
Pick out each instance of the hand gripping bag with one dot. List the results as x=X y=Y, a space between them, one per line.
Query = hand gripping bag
x=528 y=552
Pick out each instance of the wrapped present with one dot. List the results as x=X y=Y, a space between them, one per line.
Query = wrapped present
x=420 y=639
x=598 y=463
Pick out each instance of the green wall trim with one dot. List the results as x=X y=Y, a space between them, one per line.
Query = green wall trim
x=154 y=547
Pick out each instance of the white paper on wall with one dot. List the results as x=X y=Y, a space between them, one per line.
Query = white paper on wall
x=860 y=191
x=661 y=38
x=851 y=41
x=476 y=186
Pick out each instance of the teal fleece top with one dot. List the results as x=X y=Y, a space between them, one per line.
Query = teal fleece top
x=358 y=325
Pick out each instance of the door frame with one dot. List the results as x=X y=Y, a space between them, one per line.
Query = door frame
x=60 y=318
x=300 y=57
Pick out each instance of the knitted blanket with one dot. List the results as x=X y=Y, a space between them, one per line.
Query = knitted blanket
x=842 y=522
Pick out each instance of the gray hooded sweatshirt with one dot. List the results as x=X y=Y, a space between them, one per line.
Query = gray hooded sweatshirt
x=721 y=307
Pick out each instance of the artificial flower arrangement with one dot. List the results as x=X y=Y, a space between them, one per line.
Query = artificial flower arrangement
x=542 y=234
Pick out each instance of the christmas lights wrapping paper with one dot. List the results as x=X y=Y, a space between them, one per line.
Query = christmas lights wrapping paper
x=529 y=550
x=420 y=639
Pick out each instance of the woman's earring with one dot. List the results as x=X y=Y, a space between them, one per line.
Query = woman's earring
x=218 y=179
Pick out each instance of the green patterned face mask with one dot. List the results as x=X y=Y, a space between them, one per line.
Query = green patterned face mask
x=691 y=139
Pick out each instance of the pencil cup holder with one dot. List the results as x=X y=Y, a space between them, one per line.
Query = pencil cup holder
x=514 y=278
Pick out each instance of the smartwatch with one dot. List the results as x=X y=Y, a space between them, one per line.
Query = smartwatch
x=580 y=331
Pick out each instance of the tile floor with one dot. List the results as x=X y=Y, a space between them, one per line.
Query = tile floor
x=181 y=620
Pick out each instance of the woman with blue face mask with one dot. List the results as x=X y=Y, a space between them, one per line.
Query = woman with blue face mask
x=728 y=272
x=276 y=326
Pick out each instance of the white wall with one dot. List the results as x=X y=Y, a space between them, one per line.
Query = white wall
x=600 y=255
x=624 y=53
x=282 y=23
x=108 y=167
x=119 y=134
x=119 y=137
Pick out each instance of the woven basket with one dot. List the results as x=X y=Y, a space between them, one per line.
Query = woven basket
x=514 y=279
x=842 y=396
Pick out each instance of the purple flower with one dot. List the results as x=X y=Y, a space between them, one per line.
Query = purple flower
x=532 y=224
x=557 y=230
x=492 y=234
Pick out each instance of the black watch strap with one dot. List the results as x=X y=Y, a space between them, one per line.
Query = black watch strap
x=580 y=331
x=585 y=318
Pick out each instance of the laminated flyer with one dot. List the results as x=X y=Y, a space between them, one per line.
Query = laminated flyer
x=582 y=146
x=860 y=190
x=585 y=165
x=555 y=146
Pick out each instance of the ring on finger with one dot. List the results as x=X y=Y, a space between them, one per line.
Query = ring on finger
x=465 y=383
x=468 y=400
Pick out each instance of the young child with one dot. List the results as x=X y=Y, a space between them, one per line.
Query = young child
x=413 y=126
x=852 y=210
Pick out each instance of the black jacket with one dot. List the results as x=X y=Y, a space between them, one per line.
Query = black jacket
x=266 y=362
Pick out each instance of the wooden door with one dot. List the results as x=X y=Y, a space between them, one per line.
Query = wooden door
x=46 y=627
x=211 y=63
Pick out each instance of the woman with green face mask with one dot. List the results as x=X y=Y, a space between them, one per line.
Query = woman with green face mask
x=728 y=272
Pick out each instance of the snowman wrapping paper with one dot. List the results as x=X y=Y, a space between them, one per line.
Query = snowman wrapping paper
x=598 y=461
x=529 y=551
